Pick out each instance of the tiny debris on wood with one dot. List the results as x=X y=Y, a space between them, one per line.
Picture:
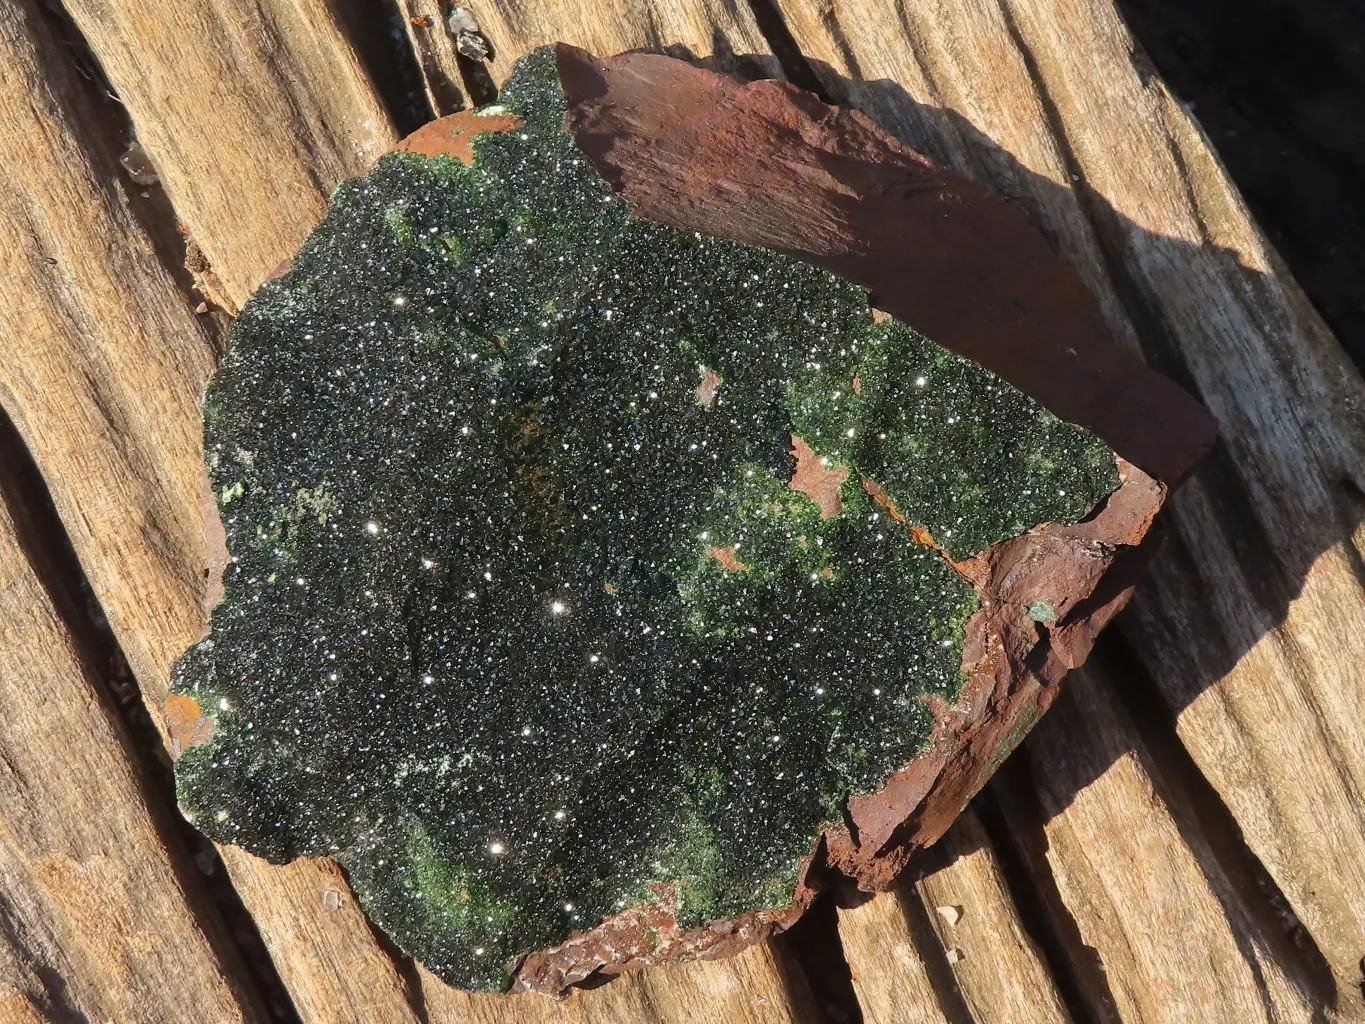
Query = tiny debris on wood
x=950 y=914
x=955 y=955
x=469 y=39
x=206 y=860
x=139 y=165
x=206 y=281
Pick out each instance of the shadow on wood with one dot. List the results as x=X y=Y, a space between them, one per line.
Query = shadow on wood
x=1278 y=88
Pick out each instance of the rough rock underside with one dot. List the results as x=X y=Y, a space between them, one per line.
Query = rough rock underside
x=563 y=558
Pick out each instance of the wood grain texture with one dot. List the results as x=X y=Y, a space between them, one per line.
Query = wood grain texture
x=1247 y=622
x=704 y=28
x=104 y=357
x=320 y=940
x=136 y=519
x=893 y=974
x=1161 y=932
x=103 y=916
x=424 y=21
x=949 y=946
x=107 y=362
x=1266 y=568
x=999 y=972
x=252 y=113
x=758 y=986
x=95 y=921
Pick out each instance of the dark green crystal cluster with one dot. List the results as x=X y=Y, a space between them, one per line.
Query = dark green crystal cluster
x=523 y=614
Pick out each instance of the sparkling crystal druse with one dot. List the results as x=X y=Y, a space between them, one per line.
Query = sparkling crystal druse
x=563 y=560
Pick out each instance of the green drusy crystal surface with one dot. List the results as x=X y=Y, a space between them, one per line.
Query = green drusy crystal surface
x=522 y=614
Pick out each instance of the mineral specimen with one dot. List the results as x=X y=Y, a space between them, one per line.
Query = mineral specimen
x=578 y=561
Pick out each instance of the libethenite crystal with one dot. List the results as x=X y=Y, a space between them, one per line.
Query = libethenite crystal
x=563 y=551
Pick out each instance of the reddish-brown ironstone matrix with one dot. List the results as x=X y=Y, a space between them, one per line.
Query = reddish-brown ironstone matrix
x=783 y=171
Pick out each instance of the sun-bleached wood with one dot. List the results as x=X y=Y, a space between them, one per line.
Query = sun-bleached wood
x=1160 y=930
x=998 y=970
x=891 y=976
x=1247 y=622
x=949 y=946
x=104 y=357
x=252 y=113
x=102 y=920
x=758 y=986
x=105 y=364
x=703 y=28
x=424 y=21
x=97 y=924
x=129 y=491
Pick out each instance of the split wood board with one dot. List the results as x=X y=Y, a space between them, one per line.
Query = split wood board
x=1182 y=840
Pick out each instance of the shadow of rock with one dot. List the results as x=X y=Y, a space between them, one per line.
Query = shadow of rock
x=1278 y=87
x=1177 y=639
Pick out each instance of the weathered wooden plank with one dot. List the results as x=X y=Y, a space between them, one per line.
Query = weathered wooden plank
x=702 y=27
x=104 y=358
x=1064 y=216
x=999 y=971
x=949 y=946
x=105 y=363
x=1247 y=621
x=758 y=986
x=94 y=916
x=1170 y=935
x=252 y=112
x=892 y=973
x=74 y=822
x=102 y=923
x=321 y=943
x=103 y=915
x=424 y=21
x=1267 y=569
